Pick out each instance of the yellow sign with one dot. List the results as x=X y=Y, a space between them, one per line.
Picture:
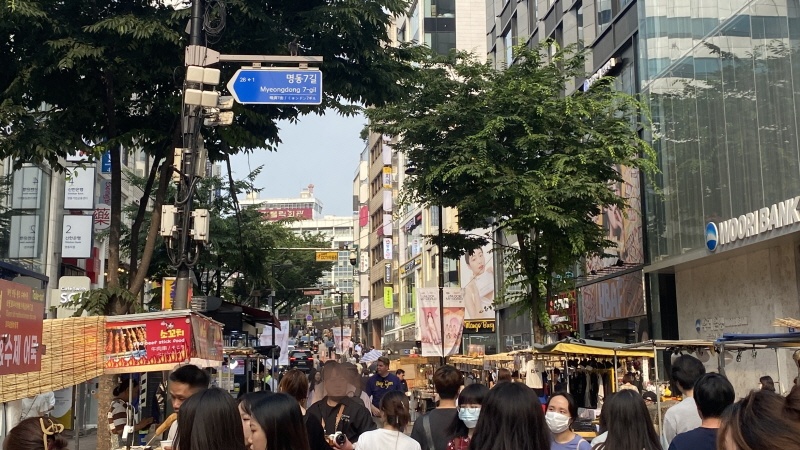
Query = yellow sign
x=168 y=293
x=388 y=297
x=327 y=256
x=387 y=177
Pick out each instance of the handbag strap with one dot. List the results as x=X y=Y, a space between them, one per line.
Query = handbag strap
x=338 y=419
x=426 y=424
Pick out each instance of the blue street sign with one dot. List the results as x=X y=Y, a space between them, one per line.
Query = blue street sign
x=277 y=86
x=105 y=162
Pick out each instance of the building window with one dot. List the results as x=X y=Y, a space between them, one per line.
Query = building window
x=533 y=15
x=604 y=14
x=440 y=8
x=410 y=293
x=508 y=43
x=388 y=322
x=441 y=42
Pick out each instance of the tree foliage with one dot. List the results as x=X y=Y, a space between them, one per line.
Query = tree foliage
x=96 y=76
x=510 y=148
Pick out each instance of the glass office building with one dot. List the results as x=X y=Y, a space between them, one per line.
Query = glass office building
x=722 y=80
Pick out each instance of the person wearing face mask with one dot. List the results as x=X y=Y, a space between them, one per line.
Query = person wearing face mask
x=469 y=409
x=561 y=414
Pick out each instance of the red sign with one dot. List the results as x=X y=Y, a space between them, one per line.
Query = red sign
x=363 y=216
x=21 y=316
x=147 y=342
x=274 y=214
x=207 y=338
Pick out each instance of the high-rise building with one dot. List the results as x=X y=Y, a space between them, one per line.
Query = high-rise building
x=399 y=259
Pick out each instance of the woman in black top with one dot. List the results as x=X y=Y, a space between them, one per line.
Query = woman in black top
x=295 y=384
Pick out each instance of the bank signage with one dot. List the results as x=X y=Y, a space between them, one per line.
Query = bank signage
x=752 y=224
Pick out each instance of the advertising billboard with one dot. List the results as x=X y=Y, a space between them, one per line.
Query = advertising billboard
x=477 y=280
x=430 y=320
x=21 y=323
x=275 y=214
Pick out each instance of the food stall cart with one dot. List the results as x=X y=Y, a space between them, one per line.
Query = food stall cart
x=159 y=341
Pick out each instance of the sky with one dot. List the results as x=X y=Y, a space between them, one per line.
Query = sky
x=319 y=150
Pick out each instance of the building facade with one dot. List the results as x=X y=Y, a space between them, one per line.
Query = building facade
x=303 y=207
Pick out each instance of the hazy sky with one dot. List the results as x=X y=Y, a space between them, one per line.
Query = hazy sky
x=319 y=150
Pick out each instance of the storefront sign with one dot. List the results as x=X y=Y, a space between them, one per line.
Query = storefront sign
x=408 y=268
x=68 y=288
x=76 y=237
x=364 y=304
x=105 y=162
x=387 y=248
x=24 y=239
x=27 y=188
x=78 y=156
x=388 y=297
x=207 y=336
x=363 y=216
x=105 y=192
x=601 y=72
x=102 y=217
x=147 y=342
x=479 y=326
x=387 y=177
x=21 y=316
x=408 y=318
x=714 y=327
x=79 y=189
x=387 y=275
x=752 y=224
x=168 y=292
x=274 y=214
x=413 y=223
x=563 y=312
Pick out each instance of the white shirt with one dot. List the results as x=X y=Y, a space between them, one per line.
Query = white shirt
x=600 y=439
x=38 y=406
x=533 y=377
x=679 y=419
x=386 y=440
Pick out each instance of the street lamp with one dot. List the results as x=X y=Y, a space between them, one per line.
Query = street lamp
x=353 y=261
x=341 y=320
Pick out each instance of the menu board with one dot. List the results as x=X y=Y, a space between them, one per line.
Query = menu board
x=141 y=343
x=21 y=322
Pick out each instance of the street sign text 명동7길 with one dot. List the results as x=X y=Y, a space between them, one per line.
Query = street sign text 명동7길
x=277 y=86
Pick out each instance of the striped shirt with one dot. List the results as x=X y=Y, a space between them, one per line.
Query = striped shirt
x=118 y=416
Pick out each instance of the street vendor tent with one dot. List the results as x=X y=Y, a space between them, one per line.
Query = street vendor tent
x=571 y=346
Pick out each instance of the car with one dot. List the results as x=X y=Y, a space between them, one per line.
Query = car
x=301 y=359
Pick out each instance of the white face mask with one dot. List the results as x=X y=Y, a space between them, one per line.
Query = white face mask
x=469 y=416
x=558 y=423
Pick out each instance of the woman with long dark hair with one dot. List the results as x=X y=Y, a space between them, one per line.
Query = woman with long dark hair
x=276 y=423
x=766 y=383
x=511 y=419
x=209 y=420
x=245 y=404
x=295 y=383
x=469 y=409
x=763 y=420
x=561 y=414
x=629 y=424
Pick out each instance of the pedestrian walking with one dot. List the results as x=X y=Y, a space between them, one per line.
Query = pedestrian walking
x=379 y=384
x=469 y=409
x=329 y=344
x=713 y=393
x=295 y=383
x=629 y=425
x=683 y=417
x=276 y=423
x=338 y=412
x=561 y=414
x=401 y=375
x=36 y=433
x=511 y=419
x=396 y=417
x=432 y=430
x=209 y=420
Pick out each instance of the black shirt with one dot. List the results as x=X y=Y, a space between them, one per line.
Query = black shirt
x=441 y=420
x=360 y=420
x=316 y=435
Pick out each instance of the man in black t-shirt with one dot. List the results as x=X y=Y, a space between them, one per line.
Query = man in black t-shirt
x=338 y=412
x=712 y=393
x=431 y=430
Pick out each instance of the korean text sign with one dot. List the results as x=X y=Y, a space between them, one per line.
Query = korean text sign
x=21 y=316
x=142 y=343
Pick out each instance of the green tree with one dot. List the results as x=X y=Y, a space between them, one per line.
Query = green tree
x=89 y=76
x=509 y=147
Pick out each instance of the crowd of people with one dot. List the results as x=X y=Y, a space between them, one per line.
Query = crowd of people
x=373 y=414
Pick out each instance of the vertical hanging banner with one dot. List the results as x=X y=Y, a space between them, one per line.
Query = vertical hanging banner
x=338 y=335
x=281 y=339
x=364 y=304
x=387 y=248
x=21 y=323
x=76 y=239
x=430 y=320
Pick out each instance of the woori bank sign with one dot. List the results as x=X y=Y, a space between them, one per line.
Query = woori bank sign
x=752 y=225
